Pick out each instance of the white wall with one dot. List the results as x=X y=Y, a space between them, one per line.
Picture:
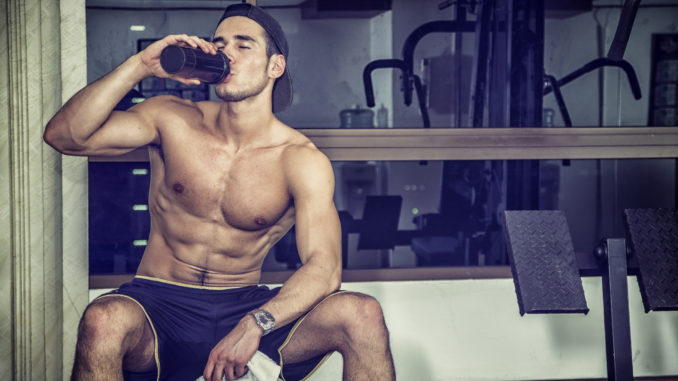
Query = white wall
x=472 y=330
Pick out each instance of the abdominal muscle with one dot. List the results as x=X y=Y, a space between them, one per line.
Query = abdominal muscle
x=188 y=249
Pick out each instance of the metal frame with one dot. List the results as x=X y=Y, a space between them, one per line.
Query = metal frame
x=616 y=311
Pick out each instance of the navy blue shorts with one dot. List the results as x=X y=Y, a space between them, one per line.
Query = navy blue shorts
x=188 y=321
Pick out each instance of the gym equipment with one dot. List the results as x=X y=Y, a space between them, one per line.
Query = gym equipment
x=543 y=262
x=554 y=85
x=615 y=58
x=410 y=80
x=546 y=271
x=654 y=243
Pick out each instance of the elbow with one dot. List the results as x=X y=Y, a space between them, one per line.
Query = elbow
x=324 y=271
x=49 y=136
x=335 y=285
x=57 y=136
x=334 y=281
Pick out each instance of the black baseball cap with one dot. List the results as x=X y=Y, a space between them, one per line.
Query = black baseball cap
x=282 y=89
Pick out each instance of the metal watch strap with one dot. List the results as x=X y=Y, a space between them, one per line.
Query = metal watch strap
x=264 y=320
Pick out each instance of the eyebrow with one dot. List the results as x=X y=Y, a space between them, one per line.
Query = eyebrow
x=240 y=37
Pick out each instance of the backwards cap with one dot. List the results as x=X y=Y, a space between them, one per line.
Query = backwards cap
x=282 y=89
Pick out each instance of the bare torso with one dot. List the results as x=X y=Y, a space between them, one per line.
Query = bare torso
x=215 y=209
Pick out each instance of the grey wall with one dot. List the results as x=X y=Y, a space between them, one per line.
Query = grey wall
x=326 y=56
x=594 y=194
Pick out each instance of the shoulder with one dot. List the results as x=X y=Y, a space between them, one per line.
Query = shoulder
x=161 y=101
x=169 y=110
x=306 y=167
x=300 y=152
x=166 y=105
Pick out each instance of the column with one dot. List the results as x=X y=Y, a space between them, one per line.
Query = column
x=43 y=203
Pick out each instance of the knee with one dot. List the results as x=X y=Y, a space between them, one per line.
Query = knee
x=105 y=318
x=364 y=318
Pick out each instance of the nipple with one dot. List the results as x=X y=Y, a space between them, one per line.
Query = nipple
x=178 y=188
x=261 y=221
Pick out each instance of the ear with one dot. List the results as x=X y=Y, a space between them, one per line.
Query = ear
x=276 y=66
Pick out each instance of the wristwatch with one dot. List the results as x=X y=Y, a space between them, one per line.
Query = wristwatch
x=264 y=320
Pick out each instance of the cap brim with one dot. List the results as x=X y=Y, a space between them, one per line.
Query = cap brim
x=282 y=92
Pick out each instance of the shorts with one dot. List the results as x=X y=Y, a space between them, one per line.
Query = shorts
x=188 y=321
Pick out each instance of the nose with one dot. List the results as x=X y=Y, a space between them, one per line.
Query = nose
x=228 y=52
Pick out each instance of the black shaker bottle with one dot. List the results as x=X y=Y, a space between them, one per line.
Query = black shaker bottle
x=194 y=63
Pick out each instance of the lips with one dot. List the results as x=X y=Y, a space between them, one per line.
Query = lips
x=228 y=78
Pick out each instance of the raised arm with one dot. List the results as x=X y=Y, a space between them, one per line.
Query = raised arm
x=87 y=124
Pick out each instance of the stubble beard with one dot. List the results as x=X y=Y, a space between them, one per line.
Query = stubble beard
x=242 y=94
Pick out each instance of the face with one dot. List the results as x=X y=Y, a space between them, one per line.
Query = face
x=244 y=43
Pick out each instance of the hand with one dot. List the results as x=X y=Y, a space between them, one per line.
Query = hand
x=230 y=356
x=151 y=55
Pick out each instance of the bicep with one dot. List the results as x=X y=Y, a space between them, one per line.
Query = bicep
x=122 y=132
x=318 y=231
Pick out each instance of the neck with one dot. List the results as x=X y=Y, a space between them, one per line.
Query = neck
x=245 y=123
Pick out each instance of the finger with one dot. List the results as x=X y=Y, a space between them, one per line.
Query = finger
x=219 y=374
x=213 y=46
x=224 y=371
x=204 y=45
x=186 y=81
x=231 y=372
x=186 y=39
x=207 y=373
x=195 y=40
x=192 y=40
x=240 y=370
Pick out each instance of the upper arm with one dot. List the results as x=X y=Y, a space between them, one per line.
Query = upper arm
x=318 y=231
x=121 y=132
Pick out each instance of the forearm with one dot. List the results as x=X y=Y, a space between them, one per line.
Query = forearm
x=312 y=282
x=86 y=111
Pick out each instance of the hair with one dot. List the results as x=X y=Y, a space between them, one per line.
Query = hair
x=271 y=47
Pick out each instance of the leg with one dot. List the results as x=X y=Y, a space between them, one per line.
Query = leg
x=113 y=333
x=352 y=324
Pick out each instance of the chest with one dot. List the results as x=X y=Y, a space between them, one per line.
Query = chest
x=246 y=190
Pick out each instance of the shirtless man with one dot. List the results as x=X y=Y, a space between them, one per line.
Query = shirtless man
x=228 y=180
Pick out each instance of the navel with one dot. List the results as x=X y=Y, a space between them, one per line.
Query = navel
x=261 y=221
x=178 y=188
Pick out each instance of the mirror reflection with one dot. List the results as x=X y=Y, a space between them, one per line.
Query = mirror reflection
x=403 y=214
x=430 y=63
x=418 y=64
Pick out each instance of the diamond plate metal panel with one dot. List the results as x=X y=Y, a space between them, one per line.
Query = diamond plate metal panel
x=654 y=239
x=543 y=262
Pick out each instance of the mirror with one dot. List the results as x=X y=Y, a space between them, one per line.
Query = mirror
x=405 y=214
x=329 y=51
x=434 y=213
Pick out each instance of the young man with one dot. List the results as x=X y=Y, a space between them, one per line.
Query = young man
x=228 y=180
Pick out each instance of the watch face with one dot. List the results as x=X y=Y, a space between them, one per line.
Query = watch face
x=265 y=319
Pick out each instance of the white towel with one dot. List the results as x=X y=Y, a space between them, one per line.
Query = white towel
x=260 y=368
